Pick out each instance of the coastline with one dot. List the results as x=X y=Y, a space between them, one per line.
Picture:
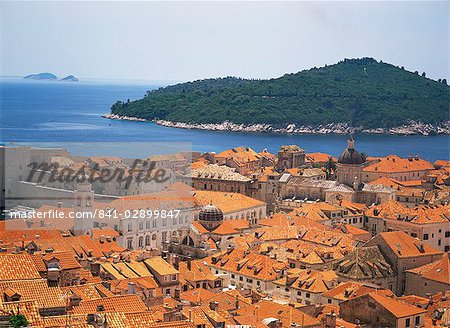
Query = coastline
x=412 y=128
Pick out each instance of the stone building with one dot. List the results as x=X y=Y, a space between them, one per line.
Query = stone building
x=377 y=310
x=219 y=178
x=348 y=186
x=404 y=252
x=400 y=169
x=290 y=157
x=429 y=223
x=430 y=278
x=243 y=159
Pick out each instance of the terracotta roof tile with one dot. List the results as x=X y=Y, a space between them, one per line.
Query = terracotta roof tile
x=17 y=266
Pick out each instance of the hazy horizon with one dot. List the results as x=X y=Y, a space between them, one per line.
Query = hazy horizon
x=182 y=41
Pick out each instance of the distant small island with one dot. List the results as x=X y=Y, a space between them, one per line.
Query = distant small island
x=42 y=76
x=70 y=78
x=50 y=77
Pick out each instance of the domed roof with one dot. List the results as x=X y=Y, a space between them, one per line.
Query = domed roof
x=210 y=213
x=350 y=155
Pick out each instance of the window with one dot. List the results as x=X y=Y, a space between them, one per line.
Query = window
x=130 y=227
x=447 y=234
x=308 y=295
x=329 y=301
x=130 y=243
x=241 y=278
x=232 y=275
x=299 y=293
x=147 y=225
x=408 y=322
x=154 y=224
x=417 y=321
x=141 y=225
x=439 y=242
x=174 y=277
x=425 y=236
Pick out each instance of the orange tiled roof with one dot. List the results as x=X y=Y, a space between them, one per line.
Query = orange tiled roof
x=36 y=289
x=231 y=227
x=28 y=308
x=89 y=291
x=442 y=163
x=287 y=314
x=17 y=266
x=421 y=214
x=120 y=303
x=397 y=308
x=246 y=263
x=313 y=281
x=198 y=272
x=403 y=245
x=197 y=296
x=158 y=264
x=318 y=158
x=396 y=164
x=351 y=289
x=437 y=271
x=105 y=233
x=228 y=202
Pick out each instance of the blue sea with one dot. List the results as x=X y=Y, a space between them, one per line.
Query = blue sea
x=68 y=114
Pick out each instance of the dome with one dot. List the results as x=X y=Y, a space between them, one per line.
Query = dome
x=350 y=155
x=210 y=213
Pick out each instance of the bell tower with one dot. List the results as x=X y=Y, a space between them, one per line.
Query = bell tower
x=84 y=199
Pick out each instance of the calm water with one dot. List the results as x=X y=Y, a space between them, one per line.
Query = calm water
x=46 y=113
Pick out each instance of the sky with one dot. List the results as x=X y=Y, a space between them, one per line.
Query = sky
x=181 y=41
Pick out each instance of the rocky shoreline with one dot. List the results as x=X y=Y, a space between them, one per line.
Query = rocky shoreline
x=412 y=128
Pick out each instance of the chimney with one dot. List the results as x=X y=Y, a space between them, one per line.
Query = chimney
x=74 y=300
x=60 y=204
x=330 y=320
x=131 y=288
x=176 y=262
x=213 y=305
x=189 y=264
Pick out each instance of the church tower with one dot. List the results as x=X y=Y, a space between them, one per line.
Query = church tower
x=84 y=199
x=350 y=165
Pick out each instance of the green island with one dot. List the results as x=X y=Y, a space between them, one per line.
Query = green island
x=363 y=93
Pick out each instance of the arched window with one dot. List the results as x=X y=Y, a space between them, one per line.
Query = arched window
x=147 y=240
x=188 y=241
x=141 y=241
